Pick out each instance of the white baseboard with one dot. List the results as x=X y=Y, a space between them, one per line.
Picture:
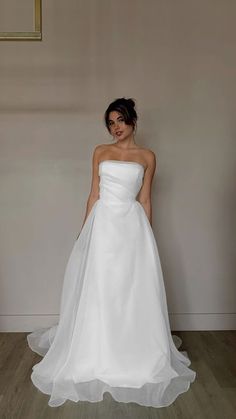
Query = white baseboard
x=178 y=321
x=202 y=321
x=26 y=322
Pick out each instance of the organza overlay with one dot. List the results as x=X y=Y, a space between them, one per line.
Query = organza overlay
x=113 y=333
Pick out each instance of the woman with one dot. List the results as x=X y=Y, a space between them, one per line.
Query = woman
x=113 y=332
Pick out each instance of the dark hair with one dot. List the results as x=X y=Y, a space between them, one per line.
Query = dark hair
x=124 y=106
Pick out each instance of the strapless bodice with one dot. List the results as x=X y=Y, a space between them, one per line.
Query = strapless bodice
x=120 y=181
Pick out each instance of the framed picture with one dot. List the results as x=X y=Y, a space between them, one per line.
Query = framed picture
x=15 y=13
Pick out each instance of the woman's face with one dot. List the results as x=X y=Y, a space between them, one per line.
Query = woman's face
x=118 y=128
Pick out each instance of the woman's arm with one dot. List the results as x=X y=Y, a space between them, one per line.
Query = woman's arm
x=90 y=202
x=94 y=190
x=147 y=205
x=144 y=196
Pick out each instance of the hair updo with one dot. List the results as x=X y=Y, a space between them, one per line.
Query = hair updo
x=126 y=107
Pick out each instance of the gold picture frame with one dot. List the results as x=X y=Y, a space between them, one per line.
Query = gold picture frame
x=35 y=35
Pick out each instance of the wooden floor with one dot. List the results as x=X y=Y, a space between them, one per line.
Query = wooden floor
x=211 y=396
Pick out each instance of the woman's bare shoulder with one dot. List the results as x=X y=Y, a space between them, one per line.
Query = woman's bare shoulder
x=148 y=155
x=101 y=147
x=147 y=151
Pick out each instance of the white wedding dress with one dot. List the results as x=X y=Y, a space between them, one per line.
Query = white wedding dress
x=113 y=332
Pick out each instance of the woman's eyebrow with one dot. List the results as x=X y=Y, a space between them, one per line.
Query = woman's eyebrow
x=110 y=120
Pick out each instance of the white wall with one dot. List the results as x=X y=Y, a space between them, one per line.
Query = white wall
x=177 y=59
